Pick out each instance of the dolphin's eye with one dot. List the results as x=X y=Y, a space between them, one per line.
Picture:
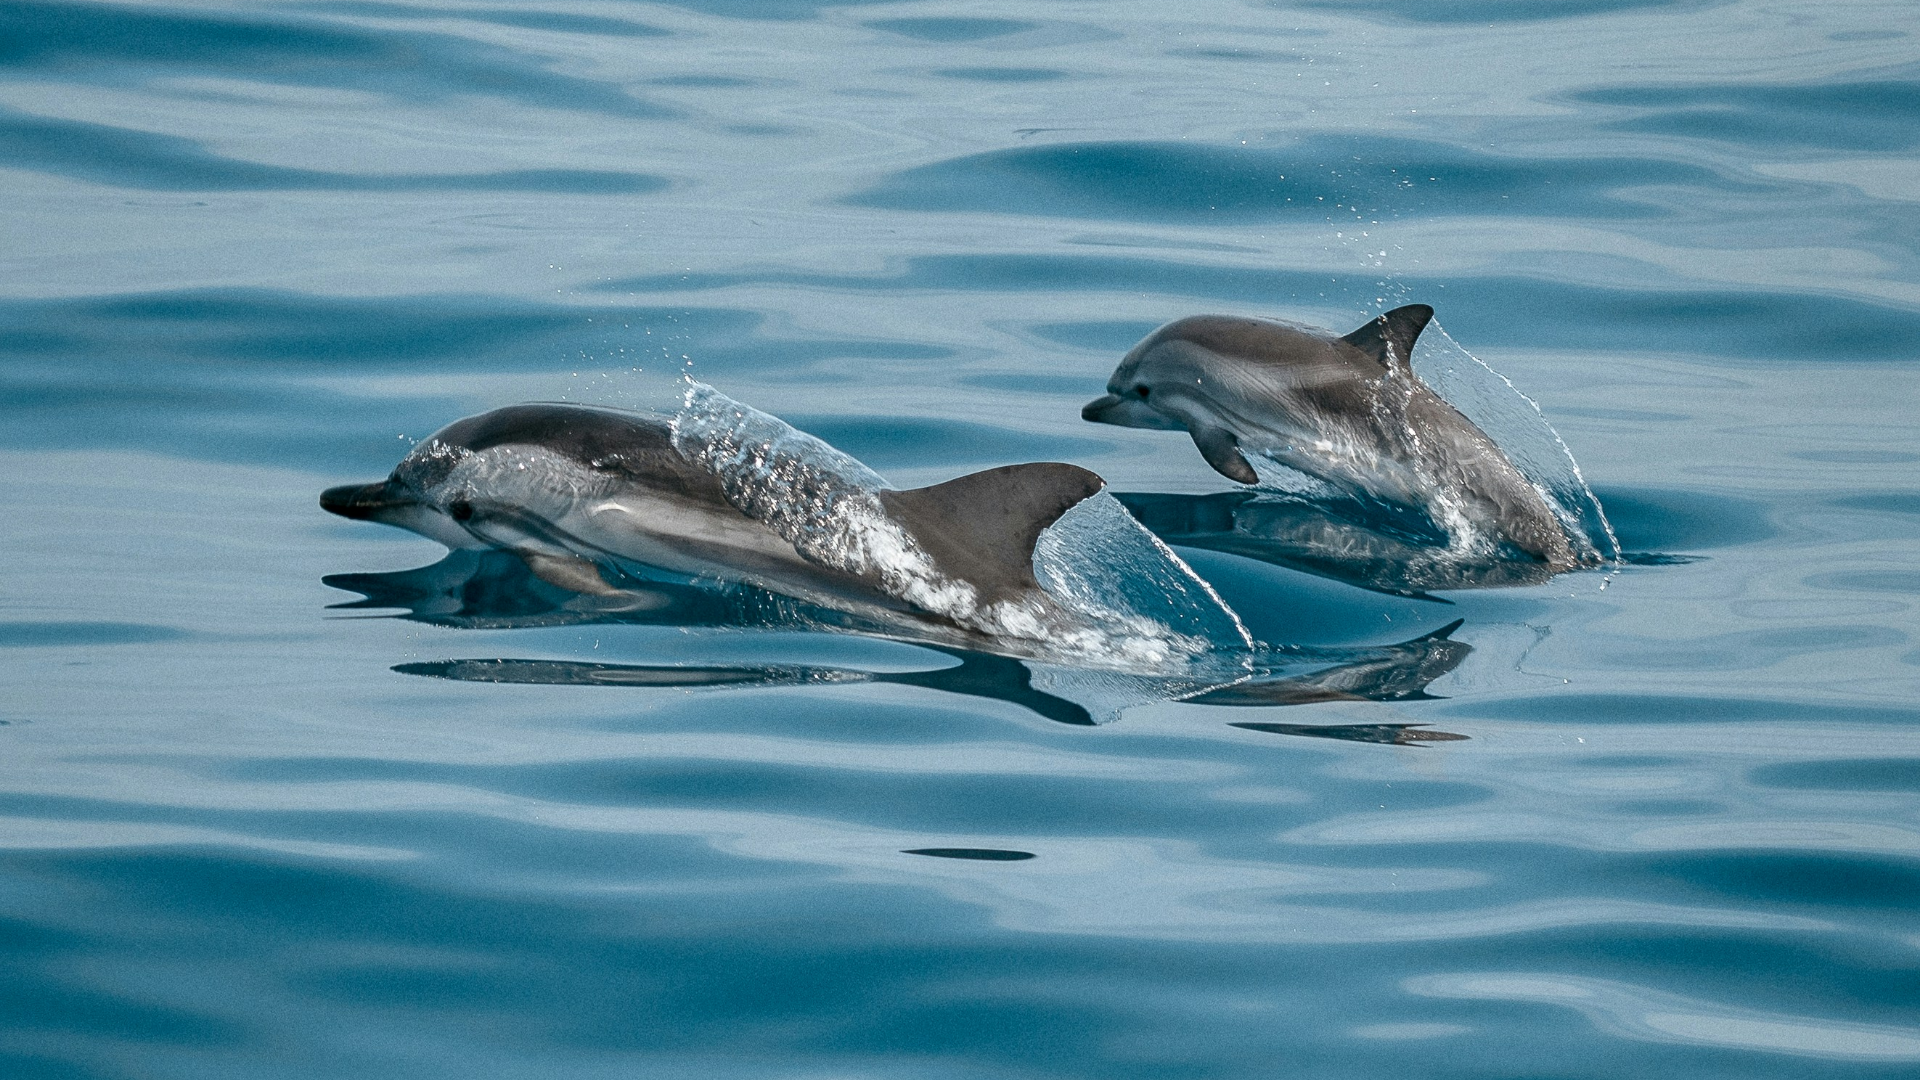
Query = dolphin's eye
x=460 y=509
x=1142 y=391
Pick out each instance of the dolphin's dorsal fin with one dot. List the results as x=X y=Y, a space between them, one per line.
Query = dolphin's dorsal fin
x=981 y=528
x=1389 y=338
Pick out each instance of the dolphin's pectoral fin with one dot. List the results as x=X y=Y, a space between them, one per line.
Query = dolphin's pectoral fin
x=569 y=572
x=1221 y=448
x=981 y=528
x=1389 y=338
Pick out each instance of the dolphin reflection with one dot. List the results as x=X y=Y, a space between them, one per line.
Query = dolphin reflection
x=1369 y=545
x=490 y=589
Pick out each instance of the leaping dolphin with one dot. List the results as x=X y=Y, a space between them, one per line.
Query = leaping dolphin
x=570 y=488
x=1348 y=410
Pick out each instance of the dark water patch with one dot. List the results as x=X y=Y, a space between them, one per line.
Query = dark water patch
x=890 y=441
x=1844 y=774
x=1882 y=883
x=1002 y=74
x=556 y=21
x=1878 y=115
x=980 y=675
x=1656 y=558
x=767 y=10
x=254 y=330
x=117 y=44
x=73 y=1012
x=1250 y=56
x=318 y=333
x=1672 y=709
x=574 y=673
x=980 y=854
x=1629 y=761
x=44 y=635
x=1325 y=176
x=1743 y=325
x=1489 y=12
x=124 y=157
x=1390 y=734
x=1868 y=581
x=1672 y=520
x=891 y=799
x=952 y=29
x=288 y=426
x=702 y=82
x=66 y=36
x=1887 y=502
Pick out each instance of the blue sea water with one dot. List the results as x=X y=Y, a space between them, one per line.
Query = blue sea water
x=252 y=250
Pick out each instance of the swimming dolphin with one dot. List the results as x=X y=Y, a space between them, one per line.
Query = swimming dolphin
x=572 y=488
x=1347 y=410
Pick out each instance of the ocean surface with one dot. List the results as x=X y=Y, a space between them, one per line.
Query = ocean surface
x=284 y=795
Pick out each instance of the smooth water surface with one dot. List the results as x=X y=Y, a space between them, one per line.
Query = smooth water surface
x=463 y=829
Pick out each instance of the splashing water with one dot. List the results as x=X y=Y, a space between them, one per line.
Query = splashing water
x=1515 y=423
x=1098 y=558
x=1121 y=598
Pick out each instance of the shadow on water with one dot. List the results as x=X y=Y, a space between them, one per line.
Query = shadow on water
x=495 y=590
x=1390 y=734
x=977 y=854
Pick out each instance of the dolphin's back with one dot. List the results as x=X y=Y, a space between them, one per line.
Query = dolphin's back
x=1254 y=340
x=601 y=439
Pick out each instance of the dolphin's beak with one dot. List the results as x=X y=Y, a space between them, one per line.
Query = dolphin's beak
x=1128 y=412
x=1096 y=410
x=364 y=502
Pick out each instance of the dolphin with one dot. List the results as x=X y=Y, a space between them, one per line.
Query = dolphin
x=1347 y=410
x=576 y=490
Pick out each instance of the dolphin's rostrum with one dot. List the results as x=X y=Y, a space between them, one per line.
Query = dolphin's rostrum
x=1347 y=410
